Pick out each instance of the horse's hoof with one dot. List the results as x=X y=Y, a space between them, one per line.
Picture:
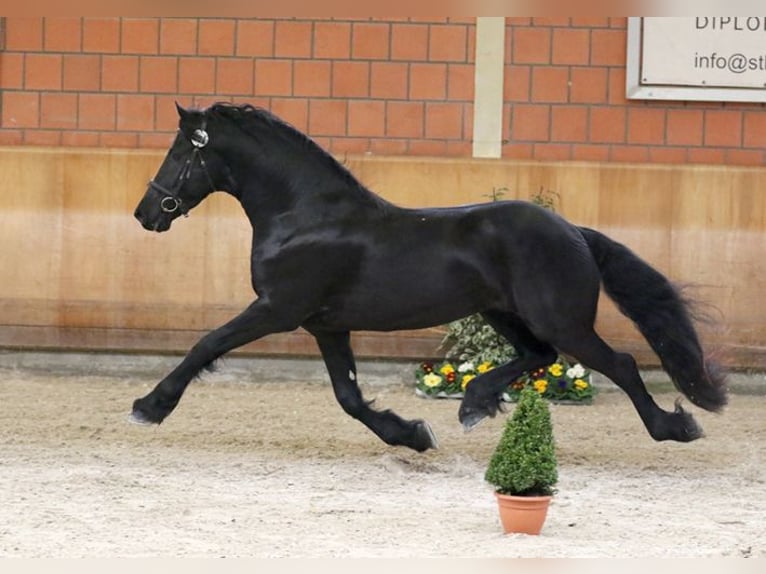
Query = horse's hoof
x=138 y=418
x=471 y=420
x=425 y=437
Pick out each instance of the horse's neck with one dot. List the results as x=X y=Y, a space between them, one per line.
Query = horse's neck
x=312 y=188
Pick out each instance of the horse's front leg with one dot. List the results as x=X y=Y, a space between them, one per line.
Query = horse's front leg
x=390 y=427
x=258 y=320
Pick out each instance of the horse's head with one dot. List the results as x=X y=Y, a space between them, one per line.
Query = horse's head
x=186 y=176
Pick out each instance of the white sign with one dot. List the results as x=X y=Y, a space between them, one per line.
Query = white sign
x=720 y=58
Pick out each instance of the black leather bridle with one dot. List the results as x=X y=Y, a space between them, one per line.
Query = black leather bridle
x=171 y=203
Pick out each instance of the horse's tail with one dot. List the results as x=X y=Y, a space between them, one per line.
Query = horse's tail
x=663 y=316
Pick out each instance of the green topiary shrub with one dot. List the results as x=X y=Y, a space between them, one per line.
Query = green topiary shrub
x=524 y=462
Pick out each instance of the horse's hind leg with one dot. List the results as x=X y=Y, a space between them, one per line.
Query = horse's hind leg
x=621 y=368
x=392 y=429
x=482 y=395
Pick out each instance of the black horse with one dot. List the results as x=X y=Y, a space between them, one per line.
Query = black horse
x=332 y=257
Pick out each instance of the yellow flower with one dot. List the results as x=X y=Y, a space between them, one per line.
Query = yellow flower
x=580 y=384
x=447 y=369
x=540 y=385
x=556 y=369
x=484 y=367
x=432 y=380
x=466 y=379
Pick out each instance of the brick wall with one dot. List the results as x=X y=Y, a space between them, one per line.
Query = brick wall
x=379 y=85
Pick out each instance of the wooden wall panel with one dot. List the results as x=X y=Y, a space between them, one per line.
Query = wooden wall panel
x=79 y=272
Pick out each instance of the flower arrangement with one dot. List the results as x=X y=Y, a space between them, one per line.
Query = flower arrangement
x=560 y=381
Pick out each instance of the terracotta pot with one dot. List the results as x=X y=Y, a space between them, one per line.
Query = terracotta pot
x=522 y=514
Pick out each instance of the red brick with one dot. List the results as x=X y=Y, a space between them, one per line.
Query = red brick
x=618 y=22
x=550 y=84
x=58 y=111
x=327 y=117
x=196 y=75
x=350 y=79
x=571 y=46
x=551 y=22
x=42 y=137
x=43 y=72
x=590 y=22
x=569 y=123
x=646 y=125
x=366 y=118
x=530 y=123
x=234 y=76
x=746 y=157
x=166 y=116
x=531 y=45
x=62 y=34
x=311 y=78
x=80 y=139
x=712 y=156
x=255 y=38
x=755 y=129
x=370 y=41
x=428 y=81
x=409 y=42
x=155 y=140
x=589 y=152
x=11 y=71
x=178 y=36
x=685 y=127
x=447 y=44
x=11 y=137
x=273 y=77
x=552 y=152
x=518 y=150
x=629 y=154
x=434 y=148
x=294 y=111
x=389 y=80
x=444 y=120
x=20 y=109
x=672 y=155
x=459 y=149
x=82 y=73
x=96 y=112
x=588 y=86
x=332 y=40
x=125 y=140
x=135 y=112
x=345 y=146
x=723 y=128
x=23 y=34
x=101 y=35
x=292 y=39
x=140 y=35
x=119 y=73
x=405 y=119
x=159 y=75
x=388 y=146
x=518 y=83
x=216 y=37
x=617 y=87
x=608 y=48
x=460 y=82
x=607 y=125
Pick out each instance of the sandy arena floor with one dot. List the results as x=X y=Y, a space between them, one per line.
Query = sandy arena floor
x=276 y=469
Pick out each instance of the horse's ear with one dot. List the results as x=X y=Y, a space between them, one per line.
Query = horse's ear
x=182 y=112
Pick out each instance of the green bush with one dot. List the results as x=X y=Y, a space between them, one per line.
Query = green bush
x=472 y=339
x=524 y=461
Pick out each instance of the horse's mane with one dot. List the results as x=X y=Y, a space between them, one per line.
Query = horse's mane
x=259 y=123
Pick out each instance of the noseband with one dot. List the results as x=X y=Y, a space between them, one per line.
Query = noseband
x=171 y=202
